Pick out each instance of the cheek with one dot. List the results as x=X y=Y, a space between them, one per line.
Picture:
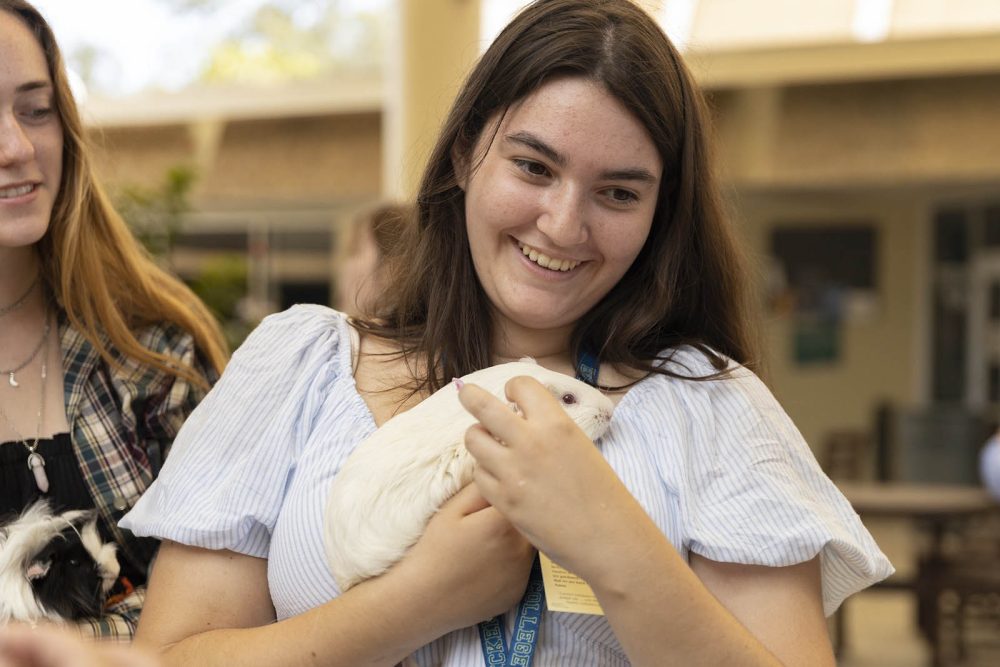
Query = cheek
x=498 y=201
x=50 y=149
x=622 y=242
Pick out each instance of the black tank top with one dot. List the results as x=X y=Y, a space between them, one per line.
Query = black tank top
x=67 y=486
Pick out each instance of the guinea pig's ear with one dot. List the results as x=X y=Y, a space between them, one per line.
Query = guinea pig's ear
x=38 y=569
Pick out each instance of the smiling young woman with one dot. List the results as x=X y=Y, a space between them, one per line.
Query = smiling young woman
x=568 y=212
x=102 y=353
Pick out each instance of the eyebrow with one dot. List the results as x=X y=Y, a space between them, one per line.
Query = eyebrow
x=534 y=143
x=32 y=85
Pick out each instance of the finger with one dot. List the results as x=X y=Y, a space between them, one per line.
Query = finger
x=487 y=450
x=489 y=485
x=467 y=501
x=489 y=453
x=22 y=645
x=492 y=413
x=44 y=646
x=531 y=397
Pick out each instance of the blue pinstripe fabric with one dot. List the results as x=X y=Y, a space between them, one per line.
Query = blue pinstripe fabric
x=717 y=465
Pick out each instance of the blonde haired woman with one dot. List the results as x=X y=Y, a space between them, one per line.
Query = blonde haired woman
x=102 y=354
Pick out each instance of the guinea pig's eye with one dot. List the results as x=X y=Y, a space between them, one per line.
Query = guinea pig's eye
x=568 y=399
x=74 y=562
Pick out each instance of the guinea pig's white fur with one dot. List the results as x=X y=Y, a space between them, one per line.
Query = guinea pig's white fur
x=394 y=481
x=21 y=542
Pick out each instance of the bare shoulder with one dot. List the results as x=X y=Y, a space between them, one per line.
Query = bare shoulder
x=617 y=380
x=384 y=377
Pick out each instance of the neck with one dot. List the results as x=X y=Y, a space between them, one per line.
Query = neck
x=18 y=269
x=549 y=347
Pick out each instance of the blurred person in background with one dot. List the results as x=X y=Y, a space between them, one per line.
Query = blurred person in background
x=989 y=465
x=568 y=213
x=365 y=246
x=102 y=353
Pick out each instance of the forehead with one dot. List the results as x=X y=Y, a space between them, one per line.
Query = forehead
x=582 y=120
x=21 y=56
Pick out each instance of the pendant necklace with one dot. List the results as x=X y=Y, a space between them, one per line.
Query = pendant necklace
x=11 y=380
x=36 y=464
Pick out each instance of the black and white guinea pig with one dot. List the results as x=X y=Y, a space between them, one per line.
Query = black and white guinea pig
x=54 y=567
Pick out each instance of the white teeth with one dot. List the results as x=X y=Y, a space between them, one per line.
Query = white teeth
x=19 y=191
x=545 y=261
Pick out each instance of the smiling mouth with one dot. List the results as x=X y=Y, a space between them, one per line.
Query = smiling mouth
x=545 y=261
x=17 y=191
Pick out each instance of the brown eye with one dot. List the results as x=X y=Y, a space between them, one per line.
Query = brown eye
x=568 y=399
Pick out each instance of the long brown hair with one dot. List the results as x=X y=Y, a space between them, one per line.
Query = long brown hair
x=687 y=286
x=100 y=275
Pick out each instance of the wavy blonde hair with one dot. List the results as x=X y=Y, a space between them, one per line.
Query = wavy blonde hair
x=103 y=279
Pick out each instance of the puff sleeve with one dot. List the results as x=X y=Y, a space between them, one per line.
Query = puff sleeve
x=223 y=484
x=751 y=491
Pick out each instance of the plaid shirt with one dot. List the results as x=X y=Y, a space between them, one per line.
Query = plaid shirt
x=122 y=423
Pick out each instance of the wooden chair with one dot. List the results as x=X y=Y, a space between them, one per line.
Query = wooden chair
x=967 y=595
x=844 y=454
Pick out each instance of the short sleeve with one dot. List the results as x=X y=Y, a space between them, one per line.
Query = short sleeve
x=756 y=495
x=223 y=484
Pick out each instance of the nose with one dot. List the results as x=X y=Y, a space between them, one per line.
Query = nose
x=563 y=219
x=15 y=146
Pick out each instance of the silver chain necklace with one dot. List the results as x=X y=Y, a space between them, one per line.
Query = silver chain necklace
x=36 y=464
x=11 y=380
x=20 y=301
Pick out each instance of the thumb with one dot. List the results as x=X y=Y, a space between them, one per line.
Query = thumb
x=467 y=501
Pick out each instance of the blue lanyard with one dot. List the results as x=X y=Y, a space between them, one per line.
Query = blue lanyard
x=525 y=635
x=519 y=653
x=587 y=368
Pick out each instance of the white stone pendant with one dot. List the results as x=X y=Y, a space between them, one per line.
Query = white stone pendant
x=12 y=382
x=36 y=464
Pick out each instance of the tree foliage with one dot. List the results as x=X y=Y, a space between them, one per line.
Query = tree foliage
x=293 y=39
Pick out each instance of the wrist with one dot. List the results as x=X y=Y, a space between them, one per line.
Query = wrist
x=619 y=568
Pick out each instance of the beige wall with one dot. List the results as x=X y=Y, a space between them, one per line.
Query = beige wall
x=886 y=152
x=855 y=135
x=736 y=23
x=881 y=356
x=140 y=156
x=324 y=160
x=298 y=160
x=438 y=42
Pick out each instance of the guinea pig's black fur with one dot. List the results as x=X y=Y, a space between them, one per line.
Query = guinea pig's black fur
x=54 y=566
x=72 y=586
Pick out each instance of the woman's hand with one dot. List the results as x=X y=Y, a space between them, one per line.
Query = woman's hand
x=545 y=475
x=49 y=646
x=471 y=557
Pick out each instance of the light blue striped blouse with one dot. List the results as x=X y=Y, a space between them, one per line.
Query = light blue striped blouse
x=718 y=465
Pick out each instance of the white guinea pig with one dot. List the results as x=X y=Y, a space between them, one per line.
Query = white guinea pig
x=394 y=481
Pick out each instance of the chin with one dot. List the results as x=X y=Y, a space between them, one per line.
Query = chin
x=20 y=235
x=54 y=567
